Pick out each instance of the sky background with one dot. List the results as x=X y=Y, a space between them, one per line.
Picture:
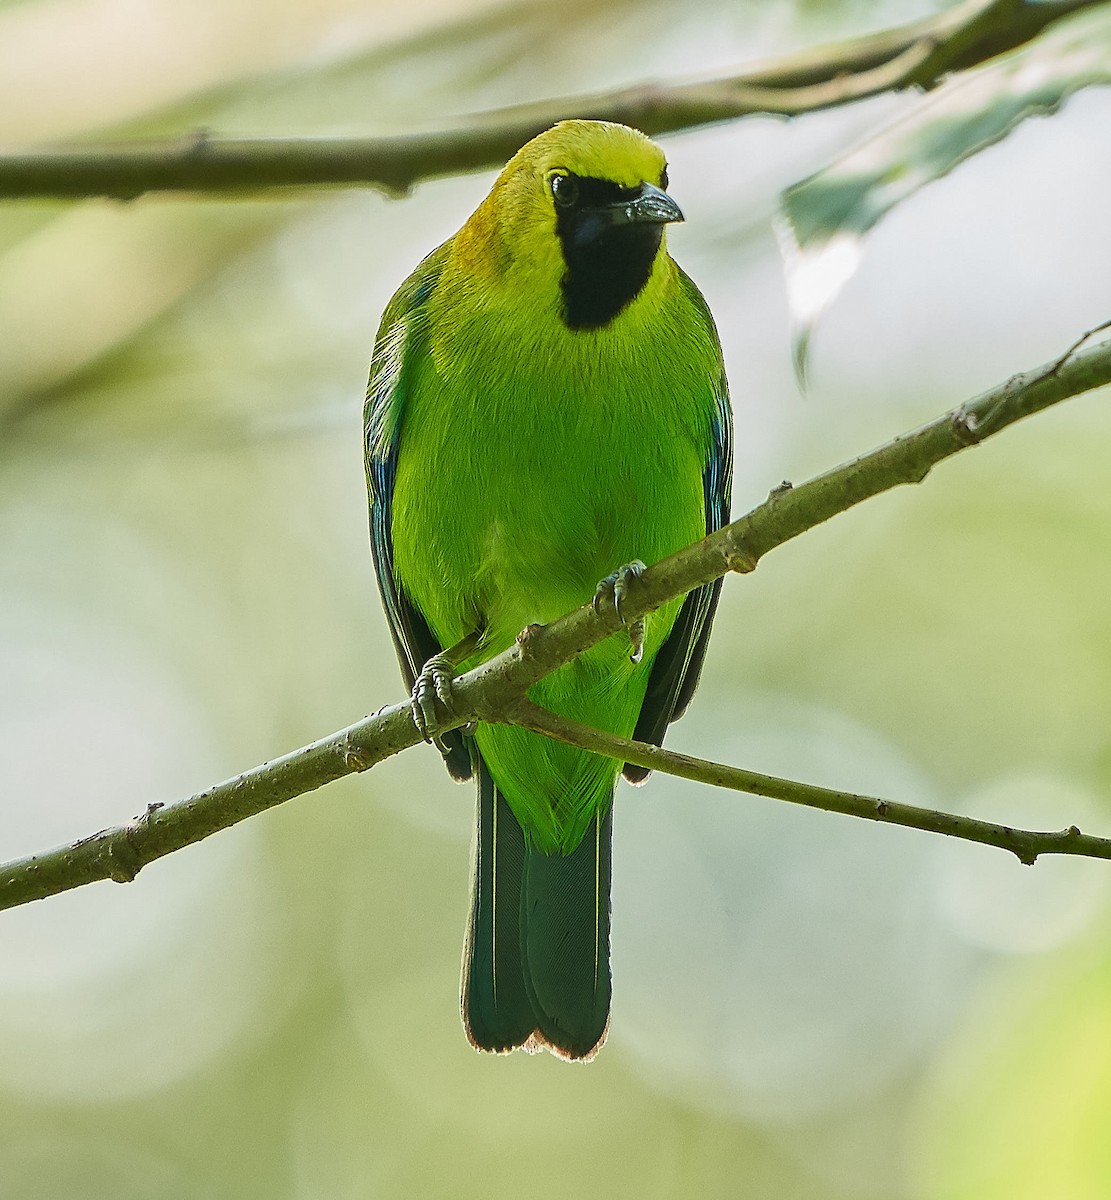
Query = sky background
x=805 y=1006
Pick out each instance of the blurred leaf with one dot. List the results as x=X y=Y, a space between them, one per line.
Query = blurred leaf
x=826 y=217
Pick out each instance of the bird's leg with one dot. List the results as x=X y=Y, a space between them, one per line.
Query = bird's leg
x=618 y=586
x=434 y=683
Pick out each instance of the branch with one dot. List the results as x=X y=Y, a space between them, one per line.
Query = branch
x=493 y=690
x=916 y=55
x=1026 y=845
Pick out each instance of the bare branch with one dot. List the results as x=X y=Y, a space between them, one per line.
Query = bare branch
x=495 y=690
x=916 y=55
x=1026 y=845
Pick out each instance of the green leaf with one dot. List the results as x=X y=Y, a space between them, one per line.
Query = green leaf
x=824 y=219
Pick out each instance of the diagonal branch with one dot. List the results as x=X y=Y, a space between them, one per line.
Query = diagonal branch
x=1026 y=845
x=915 y=55
x=492 y=691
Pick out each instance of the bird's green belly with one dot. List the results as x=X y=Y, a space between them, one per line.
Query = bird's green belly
x=519 y=526
x=497 y=536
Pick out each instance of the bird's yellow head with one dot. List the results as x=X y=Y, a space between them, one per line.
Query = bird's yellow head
x=577 y=218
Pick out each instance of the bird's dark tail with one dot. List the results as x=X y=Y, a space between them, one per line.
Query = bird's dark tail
x=536 y=970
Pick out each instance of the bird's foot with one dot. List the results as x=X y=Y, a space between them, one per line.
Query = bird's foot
x=433 y=683
x=436 y=682
x=618 y=586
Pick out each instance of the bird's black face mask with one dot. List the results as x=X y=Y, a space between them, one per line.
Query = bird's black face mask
x=610 y=237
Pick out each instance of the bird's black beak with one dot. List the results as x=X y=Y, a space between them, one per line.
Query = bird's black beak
x=651 y=206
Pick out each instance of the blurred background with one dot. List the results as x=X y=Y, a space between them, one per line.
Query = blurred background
x=805 y=1006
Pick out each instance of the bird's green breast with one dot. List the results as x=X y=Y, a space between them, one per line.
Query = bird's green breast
x=534 y=460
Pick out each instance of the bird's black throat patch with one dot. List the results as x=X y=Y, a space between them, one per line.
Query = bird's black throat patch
x=607 y=263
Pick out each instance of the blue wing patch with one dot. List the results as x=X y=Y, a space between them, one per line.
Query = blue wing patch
x=400 y=332
x=678 y=663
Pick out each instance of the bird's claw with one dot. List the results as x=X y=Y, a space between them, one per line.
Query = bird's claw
x=636 y=640
x=433 y=683
x=618 y=586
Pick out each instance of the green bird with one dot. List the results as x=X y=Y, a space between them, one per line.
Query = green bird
x=547 y=407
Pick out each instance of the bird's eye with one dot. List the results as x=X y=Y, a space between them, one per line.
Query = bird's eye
x=565 y=190
x=663 y=179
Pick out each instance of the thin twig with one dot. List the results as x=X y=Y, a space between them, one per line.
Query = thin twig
x=1026 y=845
x=496 y=688
x=916 y=55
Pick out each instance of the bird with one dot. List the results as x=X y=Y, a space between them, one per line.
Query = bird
x=547 y=410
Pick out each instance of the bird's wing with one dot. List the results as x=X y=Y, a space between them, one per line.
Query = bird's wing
x=401 y=337
x=678 y=664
